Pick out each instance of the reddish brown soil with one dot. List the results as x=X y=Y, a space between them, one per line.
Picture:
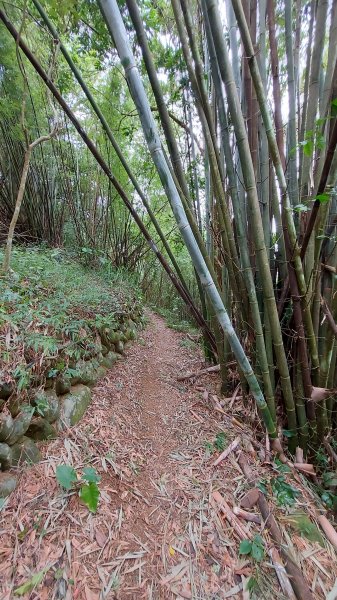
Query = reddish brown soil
x=157 y=533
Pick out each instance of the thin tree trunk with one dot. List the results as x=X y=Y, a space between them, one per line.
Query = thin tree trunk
x=19 y=198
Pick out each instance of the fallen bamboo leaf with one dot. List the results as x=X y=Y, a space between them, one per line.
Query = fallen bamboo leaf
x=32 y=583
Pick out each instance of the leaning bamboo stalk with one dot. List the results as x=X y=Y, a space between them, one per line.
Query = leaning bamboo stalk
x=92 y=148
x=251 y=191
x=166 y=124
x=117 y=29
x=111 y=137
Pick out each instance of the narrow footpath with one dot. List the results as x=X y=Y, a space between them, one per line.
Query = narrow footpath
x=158 y=532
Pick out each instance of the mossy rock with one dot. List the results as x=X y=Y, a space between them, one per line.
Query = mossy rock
x=8 y=483
x=62 y=385
x=86 y=373
x=130 y=333
x=6 y=426
x=119 y=347
x=25 y=450
x=109 y=360
x=109 y=336
x=5 y=457
x=48 y=403
x=74 y=405
x=49 y=383
x=20 y=425
x=14 y=405
x=6 y=389
x=40 y=429
x=101 y=372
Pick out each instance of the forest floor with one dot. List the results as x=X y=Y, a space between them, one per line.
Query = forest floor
x=159 y=532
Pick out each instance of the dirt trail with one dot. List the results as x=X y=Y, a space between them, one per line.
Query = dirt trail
x=157 y=534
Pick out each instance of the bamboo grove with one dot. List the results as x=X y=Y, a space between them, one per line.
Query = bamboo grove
x=234 y=105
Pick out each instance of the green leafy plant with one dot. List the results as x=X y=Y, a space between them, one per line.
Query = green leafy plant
x=218 y=445
x=41 y=406
x=86 y=485
x=220 y=441
x=254 y=548
x=284 y=493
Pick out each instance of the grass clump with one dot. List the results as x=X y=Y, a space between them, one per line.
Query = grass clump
x=51 y=312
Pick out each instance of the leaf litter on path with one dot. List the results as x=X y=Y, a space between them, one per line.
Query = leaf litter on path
x=165 y=527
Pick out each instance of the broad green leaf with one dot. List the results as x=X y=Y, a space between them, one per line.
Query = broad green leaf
x=284 y=492
x=307 y=145
x=257 y=545
x=330 y=479
x=245 y=547
x=66 y=476
x=89 y=494
x=334 y=102
x=281 y=467
x=27 y=587
x=262 y=487
x=90 y=475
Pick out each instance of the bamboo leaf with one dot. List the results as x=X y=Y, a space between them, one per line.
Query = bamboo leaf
x=32 y=583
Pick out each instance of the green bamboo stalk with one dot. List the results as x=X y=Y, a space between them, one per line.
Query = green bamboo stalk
x=315 y=68
x=240 y=227
x=198 y=86
x=117 y=29
x=253 y=200
x=277 y=162
x=292 y=133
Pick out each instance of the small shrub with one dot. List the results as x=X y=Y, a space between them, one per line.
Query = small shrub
x=86 y=486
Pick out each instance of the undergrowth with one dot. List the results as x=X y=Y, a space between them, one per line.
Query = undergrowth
x=51 y=309
x=174 y=321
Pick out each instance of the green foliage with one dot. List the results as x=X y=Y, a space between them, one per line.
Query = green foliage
x=254 y=548
x=51 y=310
x=284 y=493
x=66 y=476
x=218 y=445
x=89 y=494
x=220 y=441
x=87 y=485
